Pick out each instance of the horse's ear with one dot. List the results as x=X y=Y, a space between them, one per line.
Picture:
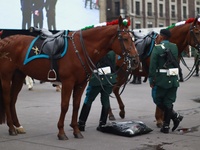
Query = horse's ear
x=195 y=21
x=120 y=21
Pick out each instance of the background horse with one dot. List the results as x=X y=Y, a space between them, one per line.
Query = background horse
x=85 y=48
x=183 y=35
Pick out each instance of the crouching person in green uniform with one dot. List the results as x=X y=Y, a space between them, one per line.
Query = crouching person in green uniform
x=163 y=79
x=101 y=82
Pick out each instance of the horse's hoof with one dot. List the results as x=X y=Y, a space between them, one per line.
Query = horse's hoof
x=122 y=114
x=159 y=124
x=78 y=135
x=20 y=130
x=112 y=117
x=62 y=137
x=12 y=132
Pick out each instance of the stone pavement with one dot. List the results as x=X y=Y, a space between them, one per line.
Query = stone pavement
x=39 y=110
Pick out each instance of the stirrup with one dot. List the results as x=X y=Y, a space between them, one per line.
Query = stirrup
x=48 y=76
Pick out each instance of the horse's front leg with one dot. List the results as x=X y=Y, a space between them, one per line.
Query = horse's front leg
x=77 y=94
x=6 y=86
x=119 y=100
x=17 y=83
x=65 y=98
x=110 y=114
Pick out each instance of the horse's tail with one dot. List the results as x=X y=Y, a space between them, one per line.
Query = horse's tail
x=2 y=109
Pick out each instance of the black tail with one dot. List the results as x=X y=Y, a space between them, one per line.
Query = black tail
x=2 y=109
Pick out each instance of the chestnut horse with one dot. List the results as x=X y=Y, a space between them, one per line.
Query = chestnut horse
x=183 y=35
x=85 y=48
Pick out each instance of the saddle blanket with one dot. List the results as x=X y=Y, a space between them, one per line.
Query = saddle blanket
x=35 y=50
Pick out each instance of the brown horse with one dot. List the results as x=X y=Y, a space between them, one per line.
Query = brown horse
x=183 y=35
x=85 y=48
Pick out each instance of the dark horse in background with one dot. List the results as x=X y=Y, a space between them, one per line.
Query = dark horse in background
x=182 y=35
x=85 y=48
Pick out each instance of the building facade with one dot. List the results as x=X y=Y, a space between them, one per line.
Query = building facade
x=150 y=13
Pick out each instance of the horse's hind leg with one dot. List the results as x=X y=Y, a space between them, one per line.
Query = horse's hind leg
x=2 y=109
x=6 y=87
x=17 y=83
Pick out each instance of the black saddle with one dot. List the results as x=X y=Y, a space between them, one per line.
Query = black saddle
x=53 y=43
x=143 y=42
x=52 y=46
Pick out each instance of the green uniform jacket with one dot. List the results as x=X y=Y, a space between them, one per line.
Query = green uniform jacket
x=156 y=62
x=97 y=80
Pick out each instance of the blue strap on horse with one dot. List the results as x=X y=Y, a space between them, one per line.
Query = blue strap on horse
x=145 y=44
x=49 y=46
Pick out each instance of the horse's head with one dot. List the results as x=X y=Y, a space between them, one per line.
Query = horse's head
x=195 y=33
x=124 y=45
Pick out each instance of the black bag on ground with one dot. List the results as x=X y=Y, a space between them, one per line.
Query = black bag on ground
x=128 y=128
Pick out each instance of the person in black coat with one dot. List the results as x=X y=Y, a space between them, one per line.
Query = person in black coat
x=50 y=7
x=26 y=6
x=37 y=9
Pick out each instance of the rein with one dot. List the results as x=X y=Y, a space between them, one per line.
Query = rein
x=192 y=70
x=198 y=48
x=89 y=62
x=126 y=59
x=77 y=53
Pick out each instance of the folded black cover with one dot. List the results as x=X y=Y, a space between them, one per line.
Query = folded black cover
x=128 y=128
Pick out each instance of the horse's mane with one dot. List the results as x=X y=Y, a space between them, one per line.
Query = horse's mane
x=114 y=22
x=181 y=23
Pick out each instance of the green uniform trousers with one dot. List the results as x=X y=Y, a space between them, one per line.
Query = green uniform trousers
x=93 y=91
x=163 y=96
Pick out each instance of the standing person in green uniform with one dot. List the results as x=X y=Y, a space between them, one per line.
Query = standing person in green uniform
x=163 y=79
x=101 y=82
x=196 y=61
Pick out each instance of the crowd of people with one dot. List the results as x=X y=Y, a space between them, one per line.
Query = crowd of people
x=92 y=4
x=32 y=13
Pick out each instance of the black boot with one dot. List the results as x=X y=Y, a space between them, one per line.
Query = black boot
x=167 y=117
x=83 y=116
x=177 y=118
x=139 y=80
x=134 y=80
x=103 y=118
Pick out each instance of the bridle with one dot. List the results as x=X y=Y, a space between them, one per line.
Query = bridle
x=128 y=60
x=125 y=51
x=196 y=41
x=197 y=46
